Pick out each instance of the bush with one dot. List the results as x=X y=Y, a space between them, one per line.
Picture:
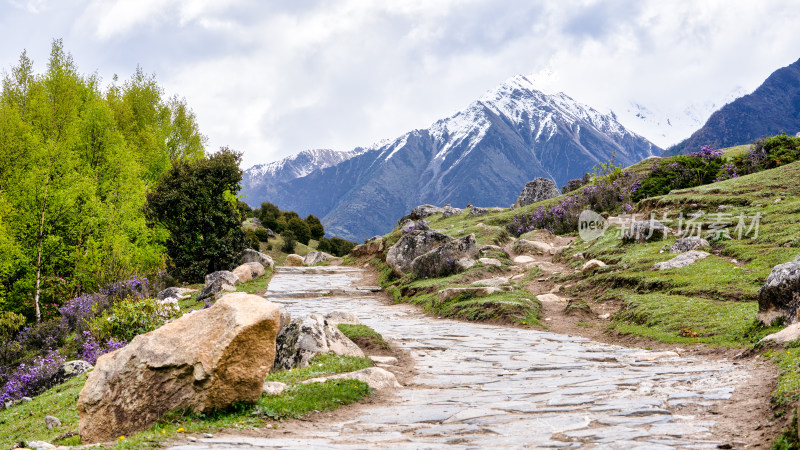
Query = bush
x=335 y=246
x=684 y=171
x=79 y=311
x=195 y=201
x=90 y=349
x=315 y=227
x=132 y=317
x=252 y=240
x=602 y=196
x=289 y=242
x=300 y=229
x=32 y=378
x=262 y=234
x=769 y=153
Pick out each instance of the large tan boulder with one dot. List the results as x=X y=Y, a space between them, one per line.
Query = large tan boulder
x=204 y=360
x=293 y=260
x=249 y=271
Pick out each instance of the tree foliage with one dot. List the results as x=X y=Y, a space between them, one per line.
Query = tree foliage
x=75 y=163
x=195 y=203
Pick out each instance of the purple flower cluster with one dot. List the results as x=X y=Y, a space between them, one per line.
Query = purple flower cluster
x=707 y=152
x=726 y=172
x=78 y=311
x=32 y=378
x=562 y=217
x=91 y=349
x=135 y=287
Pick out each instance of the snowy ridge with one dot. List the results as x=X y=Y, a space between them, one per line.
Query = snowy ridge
x=299 y=165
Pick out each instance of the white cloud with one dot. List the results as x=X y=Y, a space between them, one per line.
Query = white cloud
x=274 y=78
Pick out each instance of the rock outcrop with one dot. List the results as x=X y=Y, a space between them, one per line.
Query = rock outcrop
x=293 y=260
x=646 y=230
x=537 y=190
x=250 y=255
x=447 y=258
x=313 y=258
x=476 y=211
x=216 y=282
x=202 y=361
x=419 y=213
x=412 y=245
x=449 y=211
x=683 y=245
x=174 y=292
x=306 y=338
x=372 y=247
x=249 y=271
x=779 y=297
x=682 y=260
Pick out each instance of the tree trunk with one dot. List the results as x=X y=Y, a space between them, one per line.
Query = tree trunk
x=39 y=246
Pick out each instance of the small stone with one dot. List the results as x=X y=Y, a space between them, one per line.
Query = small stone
x=682 y=260
x=604 y=316
x=191 y=438
x=388 y=360
x=592 y=264
x=51 y=422
x=375 y=377
x=523 y=259
x=208 y=435
x=273 y=388
x=39 y=445
x=490 y=262
x=25 y=400
x=551 y=298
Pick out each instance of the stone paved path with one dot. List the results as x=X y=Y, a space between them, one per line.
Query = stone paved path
x=485 y=386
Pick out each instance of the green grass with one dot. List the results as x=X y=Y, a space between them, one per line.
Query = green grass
x=320 y=365
x=25 y=422
x=362 y=331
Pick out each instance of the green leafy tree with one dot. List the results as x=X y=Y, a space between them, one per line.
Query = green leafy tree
x=315 y=226
x=195 y=202
x=300 y=229
x=289 y=242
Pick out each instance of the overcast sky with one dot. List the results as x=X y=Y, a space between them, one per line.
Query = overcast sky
x=271 y=78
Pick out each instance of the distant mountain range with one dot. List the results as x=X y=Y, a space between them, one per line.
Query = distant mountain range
x=771 y=109
x=483 y=154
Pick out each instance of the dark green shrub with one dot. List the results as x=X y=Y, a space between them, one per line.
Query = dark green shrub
x=252 y=240
x=315 y=226
x=289 y=241
x=262 y=234
x=300 y=229
x=681 y=172
x=335 y=246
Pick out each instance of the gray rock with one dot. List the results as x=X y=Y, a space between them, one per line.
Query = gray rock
x=779 y=297
x=486 y=249
x=304 y=339
x=25 y=400
x=286 y=319
x=216 y=282
x=447 y=258
x=273 y=388
x=313 y=258
x=414 y=225
x=686 y=244
x=39 y=445
x=250 y=255
x=490 y=262
x=463 y=264
x=420 y=212
x=449 y=211
x=476 y=211
x=646 y=230
x=537 y=190
x=412 y=245
x=337 y=317
x=371 y=247
x=533 y=247
x=376 y=377
x=69 y=370
x=51 y=422
x=682 y=260
x=174 y=292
